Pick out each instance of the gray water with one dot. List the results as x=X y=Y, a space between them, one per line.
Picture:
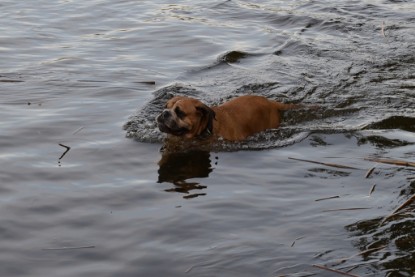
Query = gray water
x=92 y=75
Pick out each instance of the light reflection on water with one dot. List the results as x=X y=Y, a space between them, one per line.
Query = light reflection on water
x=73 y=73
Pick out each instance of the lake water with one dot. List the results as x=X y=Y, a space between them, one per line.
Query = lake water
x=86 y=191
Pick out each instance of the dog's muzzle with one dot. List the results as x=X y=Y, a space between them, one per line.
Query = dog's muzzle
x=167 y=125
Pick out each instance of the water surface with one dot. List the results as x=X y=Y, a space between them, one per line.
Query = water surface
x=93 y=75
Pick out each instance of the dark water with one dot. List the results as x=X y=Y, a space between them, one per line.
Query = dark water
x=84 y=74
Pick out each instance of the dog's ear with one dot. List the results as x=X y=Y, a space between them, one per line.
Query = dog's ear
x=207 y=114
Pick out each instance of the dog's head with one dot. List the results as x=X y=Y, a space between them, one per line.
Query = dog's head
x=186 y=117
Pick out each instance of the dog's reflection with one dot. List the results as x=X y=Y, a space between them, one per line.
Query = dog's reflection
x=176 y=168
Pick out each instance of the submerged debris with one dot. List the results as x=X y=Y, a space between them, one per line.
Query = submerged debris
x=326 y=164
x=66 y=151
x=404 y=205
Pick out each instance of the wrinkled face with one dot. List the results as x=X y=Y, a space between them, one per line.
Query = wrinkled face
x=186 y=117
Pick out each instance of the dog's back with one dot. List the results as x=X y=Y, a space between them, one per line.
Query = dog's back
x=246 y=115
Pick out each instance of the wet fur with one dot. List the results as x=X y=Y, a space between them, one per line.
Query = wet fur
x=234 y=120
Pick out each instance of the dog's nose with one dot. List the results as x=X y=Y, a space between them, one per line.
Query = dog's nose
x=165 y=114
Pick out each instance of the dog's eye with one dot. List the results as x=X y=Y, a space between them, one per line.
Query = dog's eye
x=179 y=112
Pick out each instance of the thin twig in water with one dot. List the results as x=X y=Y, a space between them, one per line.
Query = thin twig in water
x=404 y=205
x=392 y=161
x=369 y=172
x=367 y=251
x=372 y=189
x=66 y=151
x=292 y=244
x=70 y=248
x=78 y=130
x=11 y=81
x=354 y=266
x=334 y=270
x=326 y=164
x=327 y=198
x=345 y=209
x=146 y=82
x=382 y=30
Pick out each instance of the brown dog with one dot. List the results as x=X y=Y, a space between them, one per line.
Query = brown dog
x=234 y=120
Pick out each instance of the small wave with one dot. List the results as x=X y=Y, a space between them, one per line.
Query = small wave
x=233 y=56
x=142 y=125
x=229 y=58
x=394 y=122
x=294 y=48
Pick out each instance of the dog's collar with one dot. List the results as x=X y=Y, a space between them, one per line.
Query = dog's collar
x=210 y=115
x=206 y=133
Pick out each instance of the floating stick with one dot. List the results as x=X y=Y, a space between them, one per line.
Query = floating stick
x=404 y=205
x=391 y=161
x=356 y=265
x=146 y=82
x=382 y=30
x=334 y=270
x=64 y=153
x=345 y=209
x=372 y=189
x=78 y=130
x=326 y=164
x=70 y=248
x=11 y=81
x=352 y=268
x=292 y=244
x=369 y=172
x=367 y=251
x=327 y=198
